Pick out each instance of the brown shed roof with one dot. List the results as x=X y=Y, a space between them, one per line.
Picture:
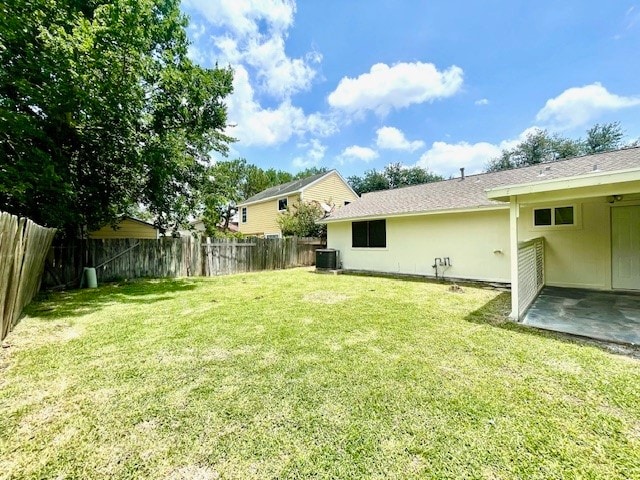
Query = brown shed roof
x=470 y=192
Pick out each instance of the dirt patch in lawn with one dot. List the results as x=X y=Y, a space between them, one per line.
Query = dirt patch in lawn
x=325 y=297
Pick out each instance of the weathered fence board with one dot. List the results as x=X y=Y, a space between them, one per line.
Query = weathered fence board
x=23 y=249
x=174 y=257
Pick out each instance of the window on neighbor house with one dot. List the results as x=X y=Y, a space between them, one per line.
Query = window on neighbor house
x=282 y=204
x=548 y=217
x=244 y=214
x=371 y=234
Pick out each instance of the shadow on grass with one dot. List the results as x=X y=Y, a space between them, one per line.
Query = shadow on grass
x=80 y=302
x=496 y=314
x=415 y=278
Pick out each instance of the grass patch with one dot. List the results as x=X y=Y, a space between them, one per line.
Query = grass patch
x=291 y=375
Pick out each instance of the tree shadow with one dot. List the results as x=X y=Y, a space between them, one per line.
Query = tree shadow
x=496 y=314
x=54 y=305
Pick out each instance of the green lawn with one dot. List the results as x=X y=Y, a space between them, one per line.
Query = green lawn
x=290 y=374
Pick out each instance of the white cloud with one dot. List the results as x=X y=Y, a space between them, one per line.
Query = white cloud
x=253 y=33
x=579 y=105
x=355 y=152
x=243 y=16
x=447 y=158
x=312 y=157
x=391 y=138
x=384 y=88
x=250 y=35
x=278 y=75
x=482 y=101
x=258 y=126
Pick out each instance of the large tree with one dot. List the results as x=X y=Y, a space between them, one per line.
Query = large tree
x=603 y=137
x=541 y=146
x=394 y=175
x=101 y=110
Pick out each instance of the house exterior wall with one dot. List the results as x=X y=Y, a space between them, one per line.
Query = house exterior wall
x=578 y=256
x=262 y=217
x=127 y=228
x=476 y=242
x=330 y=189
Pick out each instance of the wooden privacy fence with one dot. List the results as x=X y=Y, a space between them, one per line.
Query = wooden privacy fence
x=23 y=249
x=116 y=259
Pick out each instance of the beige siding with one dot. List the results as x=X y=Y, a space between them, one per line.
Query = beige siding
x=126 y=229
x=477 y=244
x=331 y=190
x=262 y=217
x=575 y=256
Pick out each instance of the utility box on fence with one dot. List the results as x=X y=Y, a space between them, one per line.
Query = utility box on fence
x=326 y=259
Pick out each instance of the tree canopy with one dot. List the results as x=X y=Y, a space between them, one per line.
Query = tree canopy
x=394 y=175
x=301 y=220
x=101 y=110
x=541 y=146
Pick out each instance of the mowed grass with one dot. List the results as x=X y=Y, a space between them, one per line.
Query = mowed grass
x=291 y=374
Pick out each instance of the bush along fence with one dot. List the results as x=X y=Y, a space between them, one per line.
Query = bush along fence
x=117 y=259
x=23 y=249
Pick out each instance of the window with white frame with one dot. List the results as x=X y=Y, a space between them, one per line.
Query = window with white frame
x=244 y=214
x=553 y=216
x=282 y=204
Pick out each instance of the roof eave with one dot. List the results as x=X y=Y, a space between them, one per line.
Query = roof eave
x=300 y=190
x=416 y=214
x=503 y=194
x=273 y=197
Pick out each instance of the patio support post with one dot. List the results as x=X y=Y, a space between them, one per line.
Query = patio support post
x=514 y=211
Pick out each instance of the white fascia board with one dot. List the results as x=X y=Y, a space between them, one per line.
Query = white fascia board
x=273 y=197
x=566 y=183
x=417 y=214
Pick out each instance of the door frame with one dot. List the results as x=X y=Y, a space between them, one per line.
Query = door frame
x=611 y=216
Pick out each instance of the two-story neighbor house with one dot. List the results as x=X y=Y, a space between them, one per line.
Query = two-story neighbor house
x=258 y=214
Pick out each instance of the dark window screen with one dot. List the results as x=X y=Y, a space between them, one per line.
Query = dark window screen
x=377 y=234
x=369 y=234
x=542 y=217
x=564 y=215
x=359 y=234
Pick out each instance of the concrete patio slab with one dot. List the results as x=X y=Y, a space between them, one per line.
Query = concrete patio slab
x=608 y=316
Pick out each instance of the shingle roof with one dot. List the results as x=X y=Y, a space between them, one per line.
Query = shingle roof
x=285 y=188
x=470 y=192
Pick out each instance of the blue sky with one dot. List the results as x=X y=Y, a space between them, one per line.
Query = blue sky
x=355 y=85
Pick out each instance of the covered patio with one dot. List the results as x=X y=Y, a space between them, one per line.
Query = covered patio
x=612 y=316
x=575 y=247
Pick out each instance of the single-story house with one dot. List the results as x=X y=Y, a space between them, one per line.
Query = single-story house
x=258 y=214
x=569 y=223
x=127 y=227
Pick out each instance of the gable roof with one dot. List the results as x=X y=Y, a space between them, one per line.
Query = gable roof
x=471 y=192
x=133 y=219
x=288 y=188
